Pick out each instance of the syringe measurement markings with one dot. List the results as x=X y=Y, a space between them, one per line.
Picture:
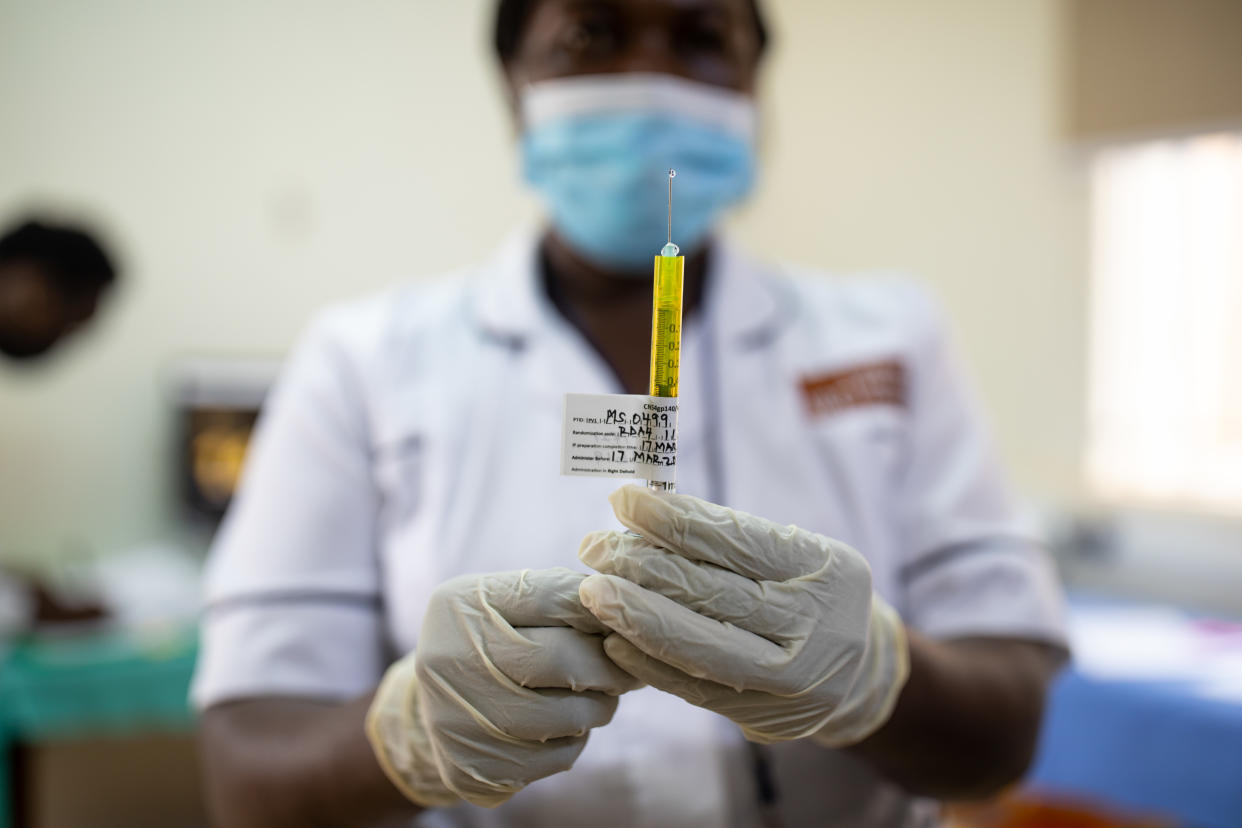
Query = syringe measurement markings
x=666 y=357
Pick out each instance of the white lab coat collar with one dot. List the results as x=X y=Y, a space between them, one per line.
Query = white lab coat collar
x=510 y=305
x=507 y=299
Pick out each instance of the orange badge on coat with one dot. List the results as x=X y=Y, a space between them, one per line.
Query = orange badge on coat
x=876 y=383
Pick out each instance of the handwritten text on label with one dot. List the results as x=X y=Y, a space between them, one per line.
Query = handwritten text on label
x=620 y=435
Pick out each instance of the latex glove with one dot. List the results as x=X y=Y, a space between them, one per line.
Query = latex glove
x=772 y=626
x=508 y=678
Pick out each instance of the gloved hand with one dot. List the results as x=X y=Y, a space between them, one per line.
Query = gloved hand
x=508 y=678
x=772 y=626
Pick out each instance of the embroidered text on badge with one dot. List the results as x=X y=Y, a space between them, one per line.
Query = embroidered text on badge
x=620 y=435
x=878 y=383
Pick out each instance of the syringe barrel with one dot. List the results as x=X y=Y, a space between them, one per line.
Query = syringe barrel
x=666 y=325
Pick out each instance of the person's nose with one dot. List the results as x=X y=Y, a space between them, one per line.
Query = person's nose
x=652 y=50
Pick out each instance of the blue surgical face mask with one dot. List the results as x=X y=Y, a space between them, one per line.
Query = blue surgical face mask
x=598 y=150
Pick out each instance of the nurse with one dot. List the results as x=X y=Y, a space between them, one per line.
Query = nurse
x=400 y=619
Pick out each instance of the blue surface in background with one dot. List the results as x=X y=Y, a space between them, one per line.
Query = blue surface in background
x=1153 y=747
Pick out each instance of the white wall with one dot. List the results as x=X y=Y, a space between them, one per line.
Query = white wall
x=255 y=160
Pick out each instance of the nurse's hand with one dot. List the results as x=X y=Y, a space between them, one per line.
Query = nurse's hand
x=772 y=626
x=508 y=679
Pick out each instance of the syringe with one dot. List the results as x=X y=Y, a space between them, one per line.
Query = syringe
x=670 y=268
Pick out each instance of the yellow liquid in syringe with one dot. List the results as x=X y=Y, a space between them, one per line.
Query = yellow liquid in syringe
x=666 y=323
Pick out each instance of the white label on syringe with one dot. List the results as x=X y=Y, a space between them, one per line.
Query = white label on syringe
x=620 y=435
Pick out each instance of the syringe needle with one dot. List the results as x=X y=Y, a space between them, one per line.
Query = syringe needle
x=671 y=175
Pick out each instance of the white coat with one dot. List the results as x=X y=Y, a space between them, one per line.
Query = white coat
x=415 y=436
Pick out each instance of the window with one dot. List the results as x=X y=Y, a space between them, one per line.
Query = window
x=1165 y=373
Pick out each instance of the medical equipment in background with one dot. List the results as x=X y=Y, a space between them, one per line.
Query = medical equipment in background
x=670 y=267
x=217 y=401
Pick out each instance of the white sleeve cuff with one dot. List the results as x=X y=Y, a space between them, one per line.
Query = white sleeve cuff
x=1005 y=588
x=323 y=646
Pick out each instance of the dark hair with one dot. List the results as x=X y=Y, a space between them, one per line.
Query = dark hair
x=71 y=255
x=511 y=17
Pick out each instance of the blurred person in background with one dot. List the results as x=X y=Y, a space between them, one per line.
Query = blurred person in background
x=52 y=279
x=392 y=631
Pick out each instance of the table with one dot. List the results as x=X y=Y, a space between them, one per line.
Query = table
x=101 y=681
x=1134 y=725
